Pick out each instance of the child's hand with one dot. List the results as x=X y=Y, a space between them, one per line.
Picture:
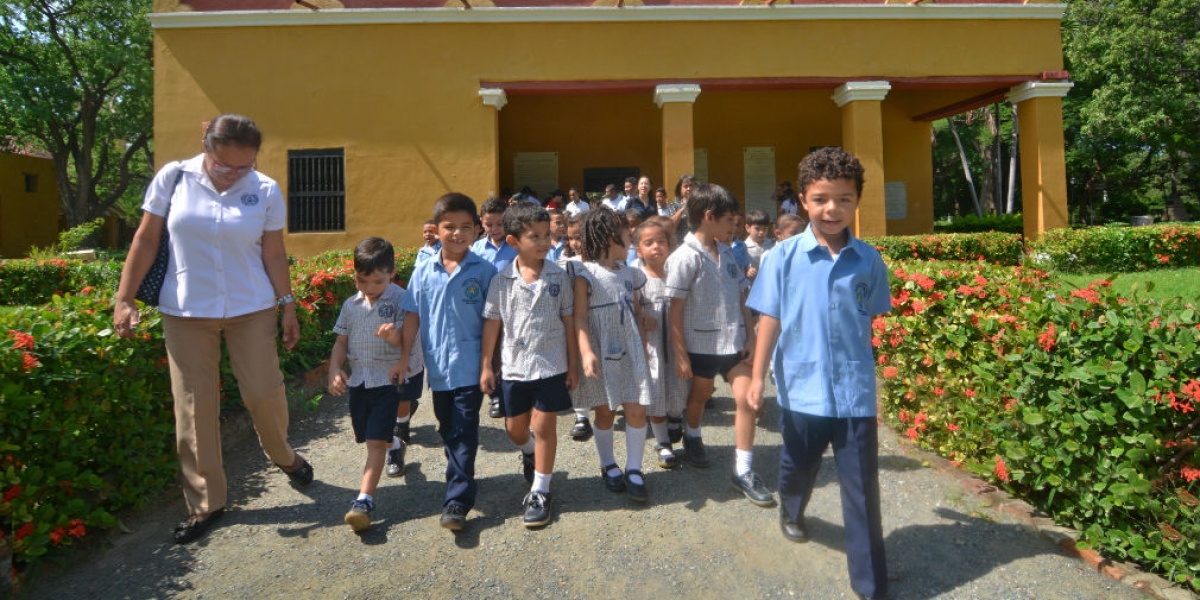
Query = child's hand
x=337 y=383
x=751 y=272
x=572 y=379
x=487 y=380
x=754 y=395
x=683 y=366
x=390 y=333
x=399 y=371
x=591 y=366
x=649 y=325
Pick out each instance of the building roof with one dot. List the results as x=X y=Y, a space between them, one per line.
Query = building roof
x=244 y=5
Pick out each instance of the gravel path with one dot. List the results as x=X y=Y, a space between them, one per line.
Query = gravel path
x=697 y=538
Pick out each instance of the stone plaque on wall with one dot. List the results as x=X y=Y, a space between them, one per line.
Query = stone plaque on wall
x=895 y=197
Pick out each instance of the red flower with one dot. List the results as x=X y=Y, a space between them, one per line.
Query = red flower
x=920 y=420
x=1001 y=469
x=876 y=341
x=1183 y=407
x=1192 y=389
x=1048 y=338
x=904 y=416
x=57 y=534
x=24 y=531
x=29 y=362
x=927 y=361
x=21 y=340
x=1190 y=473
x=952 y=427
x=1010 y=404
x=1164 y=259
x=883 y=359
x=912 y=433
x=890 y=372
x=1087 y=294
x=12 y=492
x=937 y=391
x=936 y=296
x=77 y=529
x=87 y=289
x=970 y=393
x=925 y=282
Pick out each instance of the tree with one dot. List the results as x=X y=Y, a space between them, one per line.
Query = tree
x=75 y=81
x=1133 y=121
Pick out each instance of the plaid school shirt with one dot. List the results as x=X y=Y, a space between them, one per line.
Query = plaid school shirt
x=535 y=340
x=370 y=356
x=712 y=316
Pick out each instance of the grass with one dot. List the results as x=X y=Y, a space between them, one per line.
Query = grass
x=1159 y=284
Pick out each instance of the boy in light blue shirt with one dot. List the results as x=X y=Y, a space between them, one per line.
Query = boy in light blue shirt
x=494 y=249
x=444 y=303
x=823 y=288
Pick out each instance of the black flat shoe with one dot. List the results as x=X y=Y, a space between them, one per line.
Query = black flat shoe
x=192 y=529
x=793 y=530
x=614 y=484
x=637 y=491
x=302 y=475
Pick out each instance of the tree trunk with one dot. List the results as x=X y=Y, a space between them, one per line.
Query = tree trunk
x=966 y=167
x=1012 y=166
x=987 y=154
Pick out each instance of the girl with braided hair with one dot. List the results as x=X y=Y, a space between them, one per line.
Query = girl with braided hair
x=608 y=321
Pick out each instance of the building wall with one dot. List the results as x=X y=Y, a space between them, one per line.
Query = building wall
x=402 y=99
x=27 y=218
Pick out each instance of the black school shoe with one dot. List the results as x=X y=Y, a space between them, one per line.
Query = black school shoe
x=693 y=451
x=495 y=412
x=193 y=529
x=752 y=486
x=454 y=517
x=794 y=531
x=614 y=484
x=537 y=509
x=666 y=457
x=674 y=429
x=637 y=491
x=402 y=430
x=582 y=429
x=394 y=466
x=303 y=475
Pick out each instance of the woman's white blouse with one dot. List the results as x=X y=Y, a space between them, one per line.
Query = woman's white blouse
x=216 y=268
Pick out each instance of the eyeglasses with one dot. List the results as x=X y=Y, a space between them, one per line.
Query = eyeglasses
x=227 y=169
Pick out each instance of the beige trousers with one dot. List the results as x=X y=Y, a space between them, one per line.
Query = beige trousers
x=194 y=351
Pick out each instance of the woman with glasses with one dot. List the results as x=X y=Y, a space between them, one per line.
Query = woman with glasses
x=227 y=276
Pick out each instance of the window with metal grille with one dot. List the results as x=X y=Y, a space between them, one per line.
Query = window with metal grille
x=316 y=190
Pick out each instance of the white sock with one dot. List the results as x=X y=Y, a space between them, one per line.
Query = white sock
x=744 y=458
x=541 y=482
x=404 y=419
x=660 y=432
x=693 y=432
x=395 y=443
x=527 y=447
x=635 y=447
x=604 y=445
x=581 y=413
x=365 y=496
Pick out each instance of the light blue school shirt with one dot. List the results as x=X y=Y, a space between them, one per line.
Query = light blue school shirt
x=499 y=256
x=427 y=252
x=741 y=254
x=556 y=251
x=450 y=306
x=824 y=363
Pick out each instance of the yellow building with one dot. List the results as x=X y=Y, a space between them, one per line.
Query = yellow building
x=371 y=109
x=29 y=207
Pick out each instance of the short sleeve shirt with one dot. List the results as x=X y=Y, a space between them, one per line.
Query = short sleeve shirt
x=535 y=342
x=575 y=208
x=499 y=255
x=450 y=306
x=370 y=356
x=824 y=363
x=712 y=316
x=216 y=268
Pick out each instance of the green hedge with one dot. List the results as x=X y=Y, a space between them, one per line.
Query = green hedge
x=1077 y=399
x=971 y=224
x=992 y=247
x=25 y=282
x=86 y=423
x=1118 y=248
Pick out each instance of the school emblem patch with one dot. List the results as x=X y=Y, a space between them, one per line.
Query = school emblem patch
x=472 y=290
x=861 y=291
x=629 y=286
x=387 y=310
x=250 y=199
x=554 y=289
x=731 y=269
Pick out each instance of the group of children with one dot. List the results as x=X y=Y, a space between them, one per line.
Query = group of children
x=599 y=313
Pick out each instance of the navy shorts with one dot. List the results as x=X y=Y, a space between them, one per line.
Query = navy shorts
x=547 y=395
x=708 y=366
x=373 y=412
x=410 y=389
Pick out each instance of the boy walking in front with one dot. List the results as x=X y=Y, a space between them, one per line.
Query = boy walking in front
x=494 y=249
x=445 y=304
x=532 y=301
x=824 y=287
x=366 y=317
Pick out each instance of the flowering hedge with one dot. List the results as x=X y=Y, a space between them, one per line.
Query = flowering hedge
x=1081 y=401
x=86 y=423
x=992 y=247
x=1119 y=248
x=25 y=282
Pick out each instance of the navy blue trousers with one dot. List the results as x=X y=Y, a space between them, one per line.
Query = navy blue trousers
x=856 y=451
x=457 y=413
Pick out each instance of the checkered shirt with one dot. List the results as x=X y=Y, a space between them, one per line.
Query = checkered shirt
x=370 y=356
x=535 y=342
x=712 y=316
